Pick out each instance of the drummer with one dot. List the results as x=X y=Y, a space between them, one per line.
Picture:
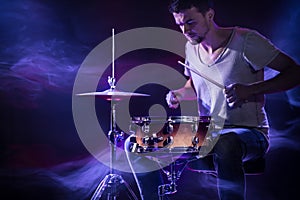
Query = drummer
x=236 y=57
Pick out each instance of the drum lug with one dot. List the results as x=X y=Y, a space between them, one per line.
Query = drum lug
x=195 y=140
x=152 y=140
x=146 y=128
x=169 y=129
x=134 y=146
x=157 y=139
x=148 y=140
x=168 y=141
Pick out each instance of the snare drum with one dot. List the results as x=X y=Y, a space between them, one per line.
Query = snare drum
x=178 y=134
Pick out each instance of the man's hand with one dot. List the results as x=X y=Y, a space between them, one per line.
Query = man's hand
x=172 y=99
x=237 y=94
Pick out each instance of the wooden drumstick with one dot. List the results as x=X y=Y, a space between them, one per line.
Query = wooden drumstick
x=203 y=76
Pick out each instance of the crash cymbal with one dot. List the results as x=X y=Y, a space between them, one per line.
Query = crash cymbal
x=113 y=94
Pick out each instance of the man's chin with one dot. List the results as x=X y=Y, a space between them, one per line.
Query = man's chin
x=195 y=41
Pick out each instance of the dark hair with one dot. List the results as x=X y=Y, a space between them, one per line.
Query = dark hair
x=178 y=5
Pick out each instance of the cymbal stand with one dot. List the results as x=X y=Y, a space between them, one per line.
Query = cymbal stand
x=112 y=182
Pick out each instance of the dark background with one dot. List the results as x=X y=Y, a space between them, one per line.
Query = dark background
x=44 y=42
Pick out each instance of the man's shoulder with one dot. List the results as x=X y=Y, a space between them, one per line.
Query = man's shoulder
x=244 y=32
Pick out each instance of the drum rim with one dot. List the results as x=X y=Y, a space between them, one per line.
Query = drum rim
x=171 y=119
x=176 y=150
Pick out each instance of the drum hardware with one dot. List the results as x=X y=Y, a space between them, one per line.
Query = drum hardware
x=152 y=140
x=183 y=136
x=173 y=175
x=195 y=141
x=169 y=141
x=169 y=128
x=113 y=181
x=146 y=128
x=176 y=133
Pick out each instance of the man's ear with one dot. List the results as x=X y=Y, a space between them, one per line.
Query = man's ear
x=210 y=14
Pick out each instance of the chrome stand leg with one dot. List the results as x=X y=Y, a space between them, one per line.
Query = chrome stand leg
x=173 y=175
x=112 y=183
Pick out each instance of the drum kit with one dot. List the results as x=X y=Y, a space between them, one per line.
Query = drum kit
x=180 y=137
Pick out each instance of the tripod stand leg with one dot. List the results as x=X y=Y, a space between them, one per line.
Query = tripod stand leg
x=112 y=183
x=101 y=188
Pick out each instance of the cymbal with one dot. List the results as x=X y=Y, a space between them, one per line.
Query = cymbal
x=113 y=94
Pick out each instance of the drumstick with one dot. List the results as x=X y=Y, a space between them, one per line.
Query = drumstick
x=203 y=76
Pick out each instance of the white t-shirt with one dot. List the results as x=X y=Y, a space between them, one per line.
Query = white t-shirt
x=242 y=61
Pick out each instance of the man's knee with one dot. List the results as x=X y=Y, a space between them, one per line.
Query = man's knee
x=228 y=145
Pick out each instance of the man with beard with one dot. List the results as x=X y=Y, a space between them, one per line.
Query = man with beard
x=234 y=57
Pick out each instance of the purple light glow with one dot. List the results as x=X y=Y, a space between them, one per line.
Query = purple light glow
x=43 y=44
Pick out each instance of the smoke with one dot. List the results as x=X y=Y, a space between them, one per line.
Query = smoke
x=70 y=180
x=287 y=40
x=38 y=72
x=38 y=55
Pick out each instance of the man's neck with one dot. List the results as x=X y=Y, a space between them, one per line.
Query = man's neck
x=216 y=38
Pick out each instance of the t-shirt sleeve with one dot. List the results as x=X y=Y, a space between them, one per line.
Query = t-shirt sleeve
x=258 y=50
